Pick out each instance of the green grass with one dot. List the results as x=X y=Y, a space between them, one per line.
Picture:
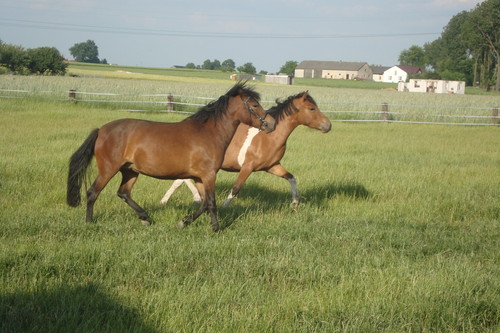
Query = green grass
x=80 y=68
x=398 y=231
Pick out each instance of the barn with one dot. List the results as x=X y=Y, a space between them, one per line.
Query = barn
x=333 y=70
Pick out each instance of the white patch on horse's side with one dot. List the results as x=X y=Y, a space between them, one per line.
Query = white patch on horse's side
x=252 y=132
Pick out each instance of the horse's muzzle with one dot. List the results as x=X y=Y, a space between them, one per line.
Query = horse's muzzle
x=268 y=124
x=325 y=127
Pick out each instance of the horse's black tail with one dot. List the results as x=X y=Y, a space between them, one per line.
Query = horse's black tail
x=78 y=165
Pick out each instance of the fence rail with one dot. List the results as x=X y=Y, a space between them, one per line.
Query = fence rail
x=353 y=112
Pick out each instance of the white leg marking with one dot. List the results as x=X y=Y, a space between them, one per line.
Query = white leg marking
x=228 y=200
x=252 y=132
x=295 y=192
x=194 y=190
x=171 y=190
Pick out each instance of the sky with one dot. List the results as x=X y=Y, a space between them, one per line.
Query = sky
x=266 y=33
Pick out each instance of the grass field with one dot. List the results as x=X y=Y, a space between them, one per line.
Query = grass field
x=398 y=231
x=343 y=100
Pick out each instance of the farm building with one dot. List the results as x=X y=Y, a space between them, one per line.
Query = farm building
x=250 y=77
x=279 y=78
x=433 y=86
x=378 y=73
x=400 y=73
x=333 y=70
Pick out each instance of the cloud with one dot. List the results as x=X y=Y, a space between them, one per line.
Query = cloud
x=71 y=6
x=455 y=3
x=40 y=4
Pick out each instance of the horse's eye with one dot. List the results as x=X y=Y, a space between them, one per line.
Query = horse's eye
x=312 y=109
x=256 y=105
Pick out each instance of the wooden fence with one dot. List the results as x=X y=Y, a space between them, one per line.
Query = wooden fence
x=377 y=112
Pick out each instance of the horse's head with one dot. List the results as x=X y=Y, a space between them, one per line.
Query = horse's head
x=301 y=109
x=309 y=113
x=250 y=110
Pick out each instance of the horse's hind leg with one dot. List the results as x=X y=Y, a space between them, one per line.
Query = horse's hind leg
x=175 y=185
x=129 y=178
x=93 y=192
x=207 y=193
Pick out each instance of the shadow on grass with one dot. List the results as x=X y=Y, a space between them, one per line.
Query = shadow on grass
x=260 y=198
x=313 y=196
x=66 y=309
x=263 y=198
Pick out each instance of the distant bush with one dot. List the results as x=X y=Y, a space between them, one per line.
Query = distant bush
x=42 y=60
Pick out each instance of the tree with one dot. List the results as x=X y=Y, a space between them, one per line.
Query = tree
x=85 y=52
x=468 y=48
x=216 y=64
x=247 y=68
x=207 y=64
x=228 y=65
x=46 y=60
x=13 y=57
x=190 y=65
x=43 y=60
x=211 y=65
x=483 y=38
x=289 y=67
x=414 y=56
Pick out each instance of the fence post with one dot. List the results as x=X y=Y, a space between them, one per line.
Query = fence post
x=72 y=94
x=384 y=116
x=494 y=116
x=170 y=103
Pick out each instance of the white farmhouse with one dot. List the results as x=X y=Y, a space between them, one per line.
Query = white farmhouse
x=400 y=73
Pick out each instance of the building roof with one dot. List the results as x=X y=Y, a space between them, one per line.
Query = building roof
x=379 y=69
x=411 y=69
x=332 y=65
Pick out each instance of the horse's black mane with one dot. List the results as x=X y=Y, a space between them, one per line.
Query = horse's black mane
x=285 y=107
x=217 y=108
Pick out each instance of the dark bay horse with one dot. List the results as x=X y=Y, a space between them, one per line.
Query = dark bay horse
x=193 y=148
x=251 y=150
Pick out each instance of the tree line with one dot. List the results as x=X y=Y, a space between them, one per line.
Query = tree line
x=45 y=60
x=467 y=50
x=42 y=60
x=227 y=65
x=230 y=66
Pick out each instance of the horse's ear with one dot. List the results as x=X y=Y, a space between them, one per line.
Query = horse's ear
x=304 y=96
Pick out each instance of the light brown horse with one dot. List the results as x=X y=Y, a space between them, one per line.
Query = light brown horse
x=251 y=150
x=193 y=148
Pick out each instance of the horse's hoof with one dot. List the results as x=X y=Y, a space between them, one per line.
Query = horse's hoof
x=294 y=204
x=181 y=224
x=146 y=223
x=216 y=228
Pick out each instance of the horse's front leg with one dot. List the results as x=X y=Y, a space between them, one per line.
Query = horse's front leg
x=191 y=217
x=212 y=210
x=240 y=181
x=280 y=171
